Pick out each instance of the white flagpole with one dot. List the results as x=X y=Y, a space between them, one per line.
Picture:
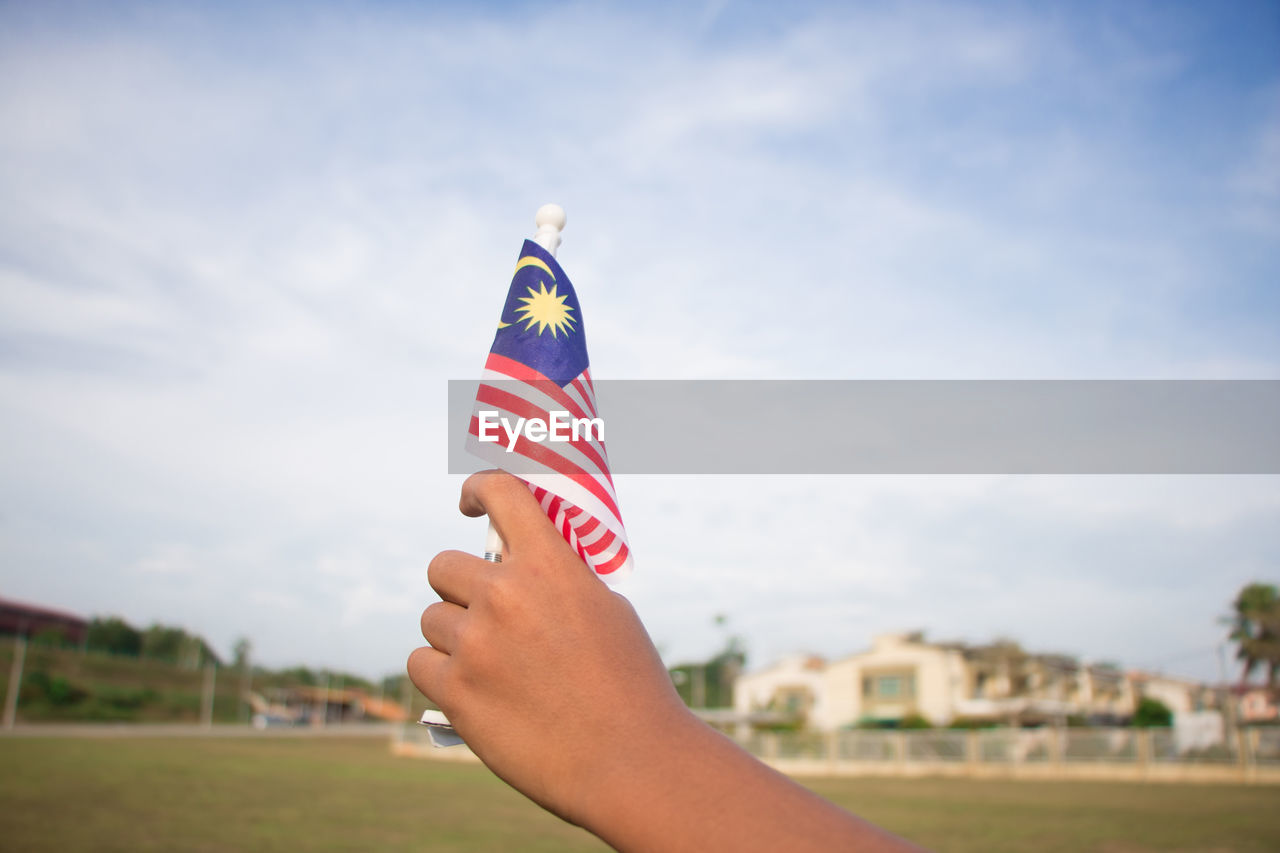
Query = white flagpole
x=550 y=220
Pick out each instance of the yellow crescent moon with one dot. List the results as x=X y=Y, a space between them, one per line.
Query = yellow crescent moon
x=531 y=261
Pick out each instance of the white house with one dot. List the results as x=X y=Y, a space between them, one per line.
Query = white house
x=899 y=676
x=794 y=686
x=902 y=675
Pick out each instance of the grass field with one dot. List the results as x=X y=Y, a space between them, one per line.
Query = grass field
x=301 y=794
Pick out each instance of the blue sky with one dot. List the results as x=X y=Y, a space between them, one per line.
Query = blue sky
x=244 y=248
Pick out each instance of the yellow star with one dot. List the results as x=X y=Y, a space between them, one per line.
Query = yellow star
x=545 y=310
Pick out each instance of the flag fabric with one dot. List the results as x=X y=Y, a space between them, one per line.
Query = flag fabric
x=538 y=368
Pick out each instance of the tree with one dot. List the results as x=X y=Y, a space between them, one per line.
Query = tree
x=710 y=684
x=115 y=635
x=164 y=642
x=1255 y=629
x=1152 y=712
x=175 y=645
x=298 y=675
x=240 y=652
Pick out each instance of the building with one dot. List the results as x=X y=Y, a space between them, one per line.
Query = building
x=794 y=689
x=1258 y=705
x=308 y=705
x=1179 y=695
x=28 y=620
x=903 y=676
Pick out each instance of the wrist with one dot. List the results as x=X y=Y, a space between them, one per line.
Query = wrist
x=657 y=779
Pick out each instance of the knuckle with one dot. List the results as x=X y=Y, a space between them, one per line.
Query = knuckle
x=413 y=664
x=444 y=566
x=503 y=594
x=438 y=563
x=429 y=617
x=484 y=485
x=490 y=479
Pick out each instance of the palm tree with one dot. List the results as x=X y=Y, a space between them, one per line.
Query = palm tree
x=1255 y=629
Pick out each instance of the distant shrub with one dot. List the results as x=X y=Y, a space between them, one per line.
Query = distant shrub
x=35 y=685
x=39 y=687
x=126 y=698
x=795 y=725
x=914 y=721
x=1152 y=712
x=54 y=637
x=966 y=723
x=910 y=721
x=95 y=710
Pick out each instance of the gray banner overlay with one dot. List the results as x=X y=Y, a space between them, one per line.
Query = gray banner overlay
x=919 y=427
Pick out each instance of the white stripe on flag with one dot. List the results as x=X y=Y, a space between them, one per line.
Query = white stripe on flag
x=543 y=465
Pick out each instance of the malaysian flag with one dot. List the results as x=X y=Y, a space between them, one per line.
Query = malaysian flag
x=538 y=369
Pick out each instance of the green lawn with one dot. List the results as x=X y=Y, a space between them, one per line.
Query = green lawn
x=300 y=794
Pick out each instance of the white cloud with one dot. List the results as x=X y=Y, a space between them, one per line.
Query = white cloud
x=167 y=559
x=244 y=252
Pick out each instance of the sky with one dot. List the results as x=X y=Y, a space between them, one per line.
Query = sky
x=243 y=248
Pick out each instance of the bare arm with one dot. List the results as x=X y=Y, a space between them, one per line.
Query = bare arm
x=554 y=683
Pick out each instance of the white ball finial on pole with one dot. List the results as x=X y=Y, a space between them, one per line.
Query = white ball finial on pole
x=550 y=220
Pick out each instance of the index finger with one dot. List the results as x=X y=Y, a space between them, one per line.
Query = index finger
x=512 y=508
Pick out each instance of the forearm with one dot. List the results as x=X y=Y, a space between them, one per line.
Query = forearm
x=688 y=787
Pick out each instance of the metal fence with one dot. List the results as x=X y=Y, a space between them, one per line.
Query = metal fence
x=1252 y=754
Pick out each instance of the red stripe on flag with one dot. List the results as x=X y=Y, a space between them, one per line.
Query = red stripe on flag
x=614 y=564
x=574 y=522
x=557 y=505
x=600 y=545
x=520 y=407
x=556 y=463
x=514 y=369
x=588 y=527
x=523 y=373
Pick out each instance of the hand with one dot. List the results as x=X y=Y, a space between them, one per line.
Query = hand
x=540 y=667
x=552 y=681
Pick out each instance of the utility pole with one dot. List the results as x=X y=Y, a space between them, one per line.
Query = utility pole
x=322 y=704
x=244 y=659
x=15 y=681
x=210 y=677
x=1225 y=699
x=246 y=682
